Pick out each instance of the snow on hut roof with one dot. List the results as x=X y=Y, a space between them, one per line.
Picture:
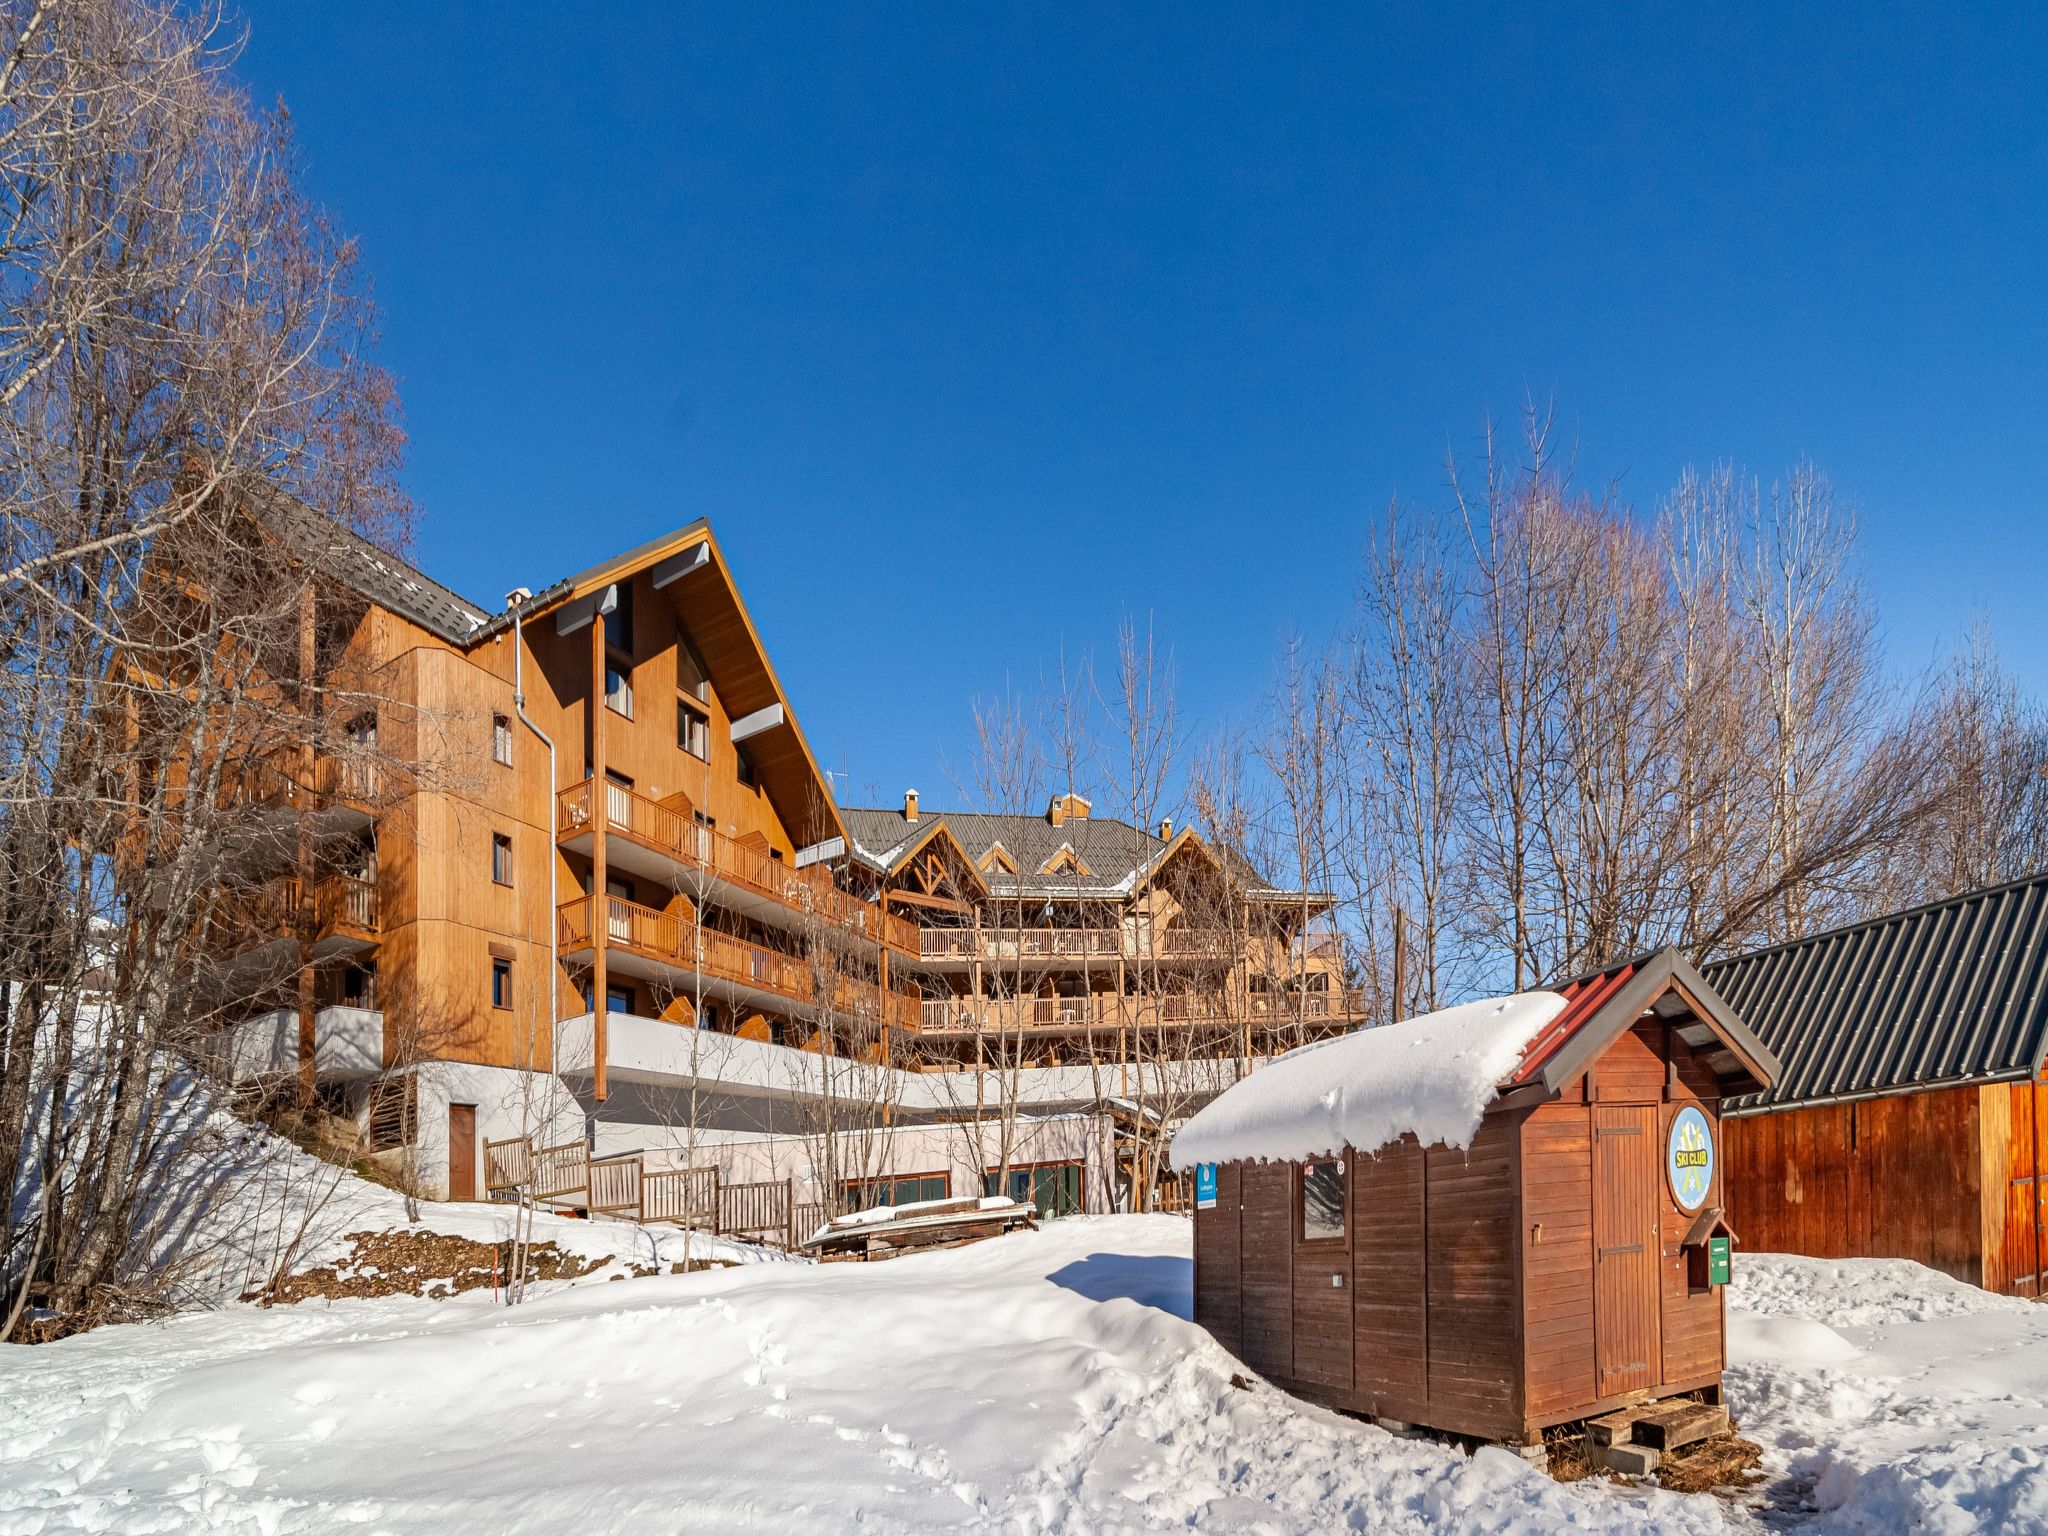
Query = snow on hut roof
x=1431 y=1077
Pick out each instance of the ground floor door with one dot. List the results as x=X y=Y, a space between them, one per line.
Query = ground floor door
x=1626 y=1247
x=461 y=1151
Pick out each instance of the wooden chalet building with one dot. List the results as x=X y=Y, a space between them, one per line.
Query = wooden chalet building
x=578 y=879
x=1489 y=1220
x=1070 y=936
x=1909 y=1118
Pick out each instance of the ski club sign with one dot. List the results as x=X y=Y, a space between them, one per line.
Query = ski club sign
x=1689 y=1158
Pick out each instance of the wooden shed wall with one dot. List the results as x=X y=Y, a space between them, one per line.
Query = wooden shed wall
x=1921 y=1176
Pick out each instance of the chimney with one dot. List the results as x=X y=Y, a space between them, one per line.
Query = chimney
x=1067 y=807
x=1166 y=829
x=910 y=805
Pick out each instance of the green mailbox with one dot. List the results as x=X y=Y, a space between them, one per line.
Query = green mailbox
x=1717 y=1261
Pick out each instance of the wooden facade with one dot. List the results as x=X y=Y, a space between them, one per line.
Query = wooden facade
x=597 y=801
x=1541 y=1275
x=1950 y=1178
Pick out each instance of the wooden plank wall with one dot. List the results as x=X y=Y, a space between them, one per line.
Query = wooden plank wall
x=1390 y=1319
x=1557 y=1293
x=1268 y=1250
x=1218 y=1253
x=1474 y=1322
x=1910 y=1176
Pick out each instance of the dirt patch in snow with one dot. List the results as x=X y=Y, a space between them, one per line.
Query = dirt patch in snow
x=1726 y=1463
x=412 y=1263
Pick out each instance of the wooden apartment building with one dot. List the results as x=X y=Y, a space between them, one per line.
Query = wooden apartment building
x=578 y=873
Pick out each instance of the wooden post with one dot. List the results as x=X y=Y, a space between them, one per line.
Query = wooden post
x=302 y=917
x=600 y=897
x=888 y=1039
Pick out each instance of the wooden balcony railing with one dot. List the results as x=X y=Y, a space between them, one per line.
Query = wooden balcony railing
x=1108 y=1011
x=1031 y=943
x=345 y=903
x=668 y=937
x=668 y=827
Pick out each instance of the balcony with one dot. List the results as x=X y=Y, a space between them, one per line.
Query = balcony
x=1057 y=948
x=671 y=951
x=967 y=1017
x=338 y=796
x=1069 y=949
x=662 y=841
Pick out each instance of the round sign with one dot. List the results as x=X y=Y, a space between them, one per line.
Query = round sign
x=1689 y=1158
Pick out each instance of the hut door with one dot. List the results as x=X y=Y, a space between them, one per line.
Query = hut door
x=1626 y=1247
x=1322 y=1274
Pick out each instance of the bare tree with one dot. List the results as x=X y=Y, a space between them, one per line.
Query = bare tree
x=178 y=328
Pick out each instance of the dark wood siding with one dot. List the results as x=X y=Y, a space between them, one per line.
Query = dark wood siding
x=1474 y=1325
x=1268 y=1249
x=1557 y=1292
x=1218 y=1277
x=1626 y=1205
x=1389 y=1275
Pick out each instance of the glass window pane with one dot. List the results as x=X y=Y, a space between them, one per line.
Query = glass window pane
x=1322 y=1202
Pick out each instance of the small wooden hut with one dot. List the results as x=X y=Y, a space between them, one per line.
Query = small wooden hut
x=1488 y=1220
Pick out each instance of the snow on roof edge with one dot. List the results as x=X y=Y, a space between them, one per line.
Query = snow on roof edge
x=1430 y=1077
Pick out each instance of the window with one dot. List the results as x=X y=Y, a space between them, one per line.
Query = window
x=501 y=983
x=743 y=765
x=501 y=740
x=1322 y=1202
x=691 y=678
x=362 y=731
x=618 y=999
x=860 y=1194
x=618 y=688
x=1054 y=1188
x=693 y=730
x=501 y=858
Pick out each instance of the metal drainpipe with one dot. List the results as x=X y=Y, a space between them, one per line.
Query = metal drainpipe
x=518 y=597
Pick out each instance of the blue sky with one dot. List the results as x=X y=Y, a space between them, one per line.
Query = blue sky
x=972 y=327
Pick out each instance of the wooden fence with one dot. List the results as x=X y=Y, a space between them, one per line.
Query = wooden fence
x=622 y=1186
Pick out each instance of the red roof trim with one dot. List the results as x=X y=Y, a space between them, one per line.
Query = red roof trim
x=1584 y=998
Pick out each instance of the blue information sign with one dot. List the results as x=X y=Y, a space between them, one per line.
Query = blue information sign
x=1205 y=1186
x=1689 y=1158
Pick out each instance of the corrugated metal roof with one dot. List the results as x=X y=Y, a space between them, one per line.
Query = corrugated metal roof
x=1952 y=992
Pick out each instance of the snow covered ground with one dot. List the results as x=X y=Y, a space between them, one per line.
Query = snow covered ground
x=1043 y=1382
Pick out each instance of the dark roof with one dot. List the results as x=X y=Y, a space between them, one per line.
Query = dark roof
x=361 y=566
x=1952 y=992
x=1115 y=852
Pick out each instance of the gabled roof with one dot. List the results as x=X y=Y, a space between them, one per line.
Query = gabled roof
x=1437 y=1076
x=1952 y=992
x=361 y=566
x=1601 y=1005
x=719 y=624
x=1118 y=855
